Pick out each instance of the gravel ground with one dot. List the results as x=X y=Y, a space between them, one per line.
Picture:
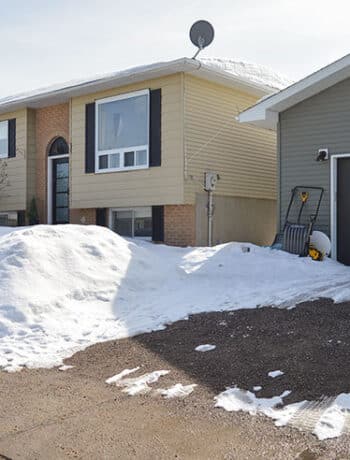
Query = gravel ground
x=74 y=414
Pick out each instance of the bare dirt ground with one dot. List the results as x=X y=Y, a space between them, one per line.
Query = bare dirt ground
x=49 y=414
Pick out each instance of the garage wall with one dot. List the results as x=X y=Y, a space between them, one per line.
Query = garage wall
x=236 y=219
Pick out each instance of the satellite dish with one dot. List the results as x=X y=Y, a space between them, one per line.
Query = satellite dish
x=201 y=35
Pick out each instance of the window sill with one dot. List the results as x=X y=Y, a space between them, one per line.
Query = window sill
x=110 y=170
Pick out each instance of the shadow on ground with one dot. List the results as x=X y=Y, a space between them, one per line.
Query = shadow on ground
x=309 y=343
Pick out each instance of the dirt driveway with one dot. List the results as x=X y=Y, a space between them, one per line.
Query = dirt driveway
x=49 y=414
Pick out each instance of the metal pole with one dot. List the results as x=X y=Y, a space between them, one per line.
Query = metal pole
x=210 y=218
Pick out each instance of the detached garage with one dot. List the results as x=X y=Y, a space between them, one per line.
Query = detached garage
x=312 y=120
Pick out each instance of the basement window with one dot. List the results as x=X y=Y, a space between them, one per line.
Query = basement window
x=132 y=223
x=122 y=132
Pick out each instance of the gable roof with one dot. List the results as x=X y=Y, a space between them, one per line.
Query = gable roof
x=265 y=112
x=245 y=80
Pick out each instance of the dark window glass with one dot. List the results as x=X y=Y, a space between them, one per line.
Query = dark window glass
x=103 y=162
x=62 y=215
x=59 y=147
x=61 y=199
x=143 y=226
x=122 y=222
x=129 y=158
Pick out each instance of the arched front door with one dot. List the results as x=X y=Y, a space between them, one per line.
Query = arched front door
x=58 y=180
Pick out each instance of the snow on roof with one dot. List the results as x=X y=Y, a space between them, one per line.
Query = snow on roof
x=265 y=112
x=259 y=74
x=258 y=78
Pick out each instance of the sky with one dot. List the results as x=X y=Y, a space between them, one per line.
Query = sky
x=47 y=42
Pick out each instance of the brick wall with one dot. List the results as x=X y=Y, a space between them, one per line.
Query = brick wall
x=83 y=216
x=180 y=225
x=51 y=122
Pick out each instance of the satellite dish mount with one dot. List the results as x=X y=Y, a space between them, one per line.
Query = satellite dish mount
x=201 y=35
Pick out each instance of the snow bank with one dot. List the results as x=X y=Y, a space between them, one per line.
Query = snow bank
x=258 y=74
x=64 y=288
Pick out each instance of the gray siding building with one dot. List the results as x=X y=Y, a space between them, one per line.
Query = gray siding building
x=310 y=116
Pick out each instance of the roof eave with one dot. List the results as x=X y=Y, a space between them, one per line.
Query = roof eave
x=263 y=113
x=61 y=95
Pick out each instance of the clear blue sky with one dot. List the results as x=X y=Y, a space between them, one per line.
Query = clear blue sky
x=45 y=42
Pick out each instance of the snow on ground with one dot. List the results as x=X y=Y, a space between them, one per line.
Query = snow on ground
x=135 y=385
x=205 y=347
x=274 y=374
x=64 y=288
x=329 y=421
x=176 y=391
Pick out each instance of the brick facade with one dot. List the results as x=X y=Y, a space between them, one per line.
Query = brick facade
x=51 y=122
x=82 y=216
x=180 y=225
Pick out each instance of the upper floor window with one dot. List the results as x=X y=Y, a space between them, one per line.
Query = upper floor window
x=4 y=139
x=122 y=132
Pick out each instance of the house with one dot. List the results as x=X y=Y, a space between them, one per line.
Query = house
x=130 y=149
x=312 y=120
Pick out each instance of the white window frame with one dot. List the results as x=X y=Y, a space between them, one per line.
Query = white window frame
x=110 y=221
x=7 y=129
x=122 y=151
x=334 y=192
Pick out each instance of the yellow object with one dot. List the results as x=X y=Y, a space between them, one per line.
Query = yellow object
x=315 y=254
x=304 y=196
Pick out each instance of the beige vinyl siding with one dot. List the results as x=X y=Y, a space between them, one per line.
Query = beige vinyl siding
x=244 y=156
x=153 y=186
x=13 y=195
x=31 y=156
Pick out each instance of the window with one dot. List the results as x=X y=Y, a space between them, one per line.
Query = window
x=132 y=223
x=4 y=139
x=122 y=132
x=8 y=219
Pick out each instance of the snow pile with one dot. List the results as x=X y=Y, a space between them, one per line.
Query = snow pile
x=330 y=423
x=258 y=74
x=64 y=288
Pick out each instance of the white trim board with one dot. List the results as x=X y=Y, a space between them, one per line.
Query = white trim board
x=333 y=198
x=49 y=184
x=265 y=113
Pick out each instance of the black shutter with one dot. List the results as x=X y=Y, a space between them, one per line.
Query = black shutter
x=12 y=138
x=158 y=223
x=101 y=217
x=155 y=148
x=90 y=138
x=21 y=218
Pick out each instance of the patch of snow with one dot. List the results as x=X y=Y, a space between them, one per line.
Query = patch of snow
x=137 y=385
x=116 y=378
x=65 y=367
x=66 y=287
x=257 y=388
x=274 y=374
x=333 y=420
x=330 y=423
x=206 y=347
x=176 y=391
x=258 y=74
x=235 y=399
